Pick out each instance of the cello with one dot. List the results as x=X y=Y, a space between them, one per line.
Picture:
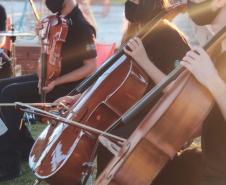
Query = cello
x=167 y=126
x=62 y=154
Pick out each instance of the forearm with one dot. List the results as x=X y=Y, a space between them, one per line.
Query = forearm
x=77 y=74
x=153 y=72
x=218 y=90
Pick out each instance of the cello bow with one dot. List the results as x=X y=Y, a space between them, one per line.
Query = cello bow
x=43 y=53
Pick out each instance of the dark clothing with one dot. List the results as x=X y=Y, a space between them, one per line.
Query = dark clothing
x=24 y=89
x=144 y=11
x=214 y=140
x=164 y=46
x=214 y=144
x=209 y=166
x=182 y=170
x=79 y=46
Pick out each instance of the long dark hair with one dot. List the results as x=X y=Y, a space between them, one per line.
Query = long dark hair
x=148 y=9
x=2 y=18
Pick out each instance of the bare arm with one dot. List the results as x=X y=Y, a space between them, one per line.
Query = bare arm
x=76 y=75
x=218 y=90
x=200 y=65
x=139 y=54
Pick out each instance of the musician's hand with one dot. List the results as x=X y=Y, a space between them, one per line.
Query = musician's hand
x=38 y=27
x=49 y=87
x=136 y=50
x=198 y=62
x=68 y=100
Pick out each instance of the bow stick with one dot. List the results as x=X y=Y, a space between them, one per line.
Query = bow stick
x=70 y=122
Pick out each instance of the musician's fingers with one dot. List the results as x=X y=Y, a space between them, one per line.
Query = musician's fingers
x=188 y=59
x=64 y=105
x=38 y=27
x=138 y=40
x=131 y=46
x=77 y=96
x=68 y=100
x=47 y=89
x=128 y=52
x=186 y=65
x=199 y=50
x=192 y=54
x=134 y=42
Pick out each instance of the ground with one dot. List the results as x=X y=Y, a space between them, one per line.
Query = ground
x=27 y=177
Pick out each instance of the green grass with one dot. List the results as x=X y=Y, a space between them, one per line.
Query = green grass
x=27 y=177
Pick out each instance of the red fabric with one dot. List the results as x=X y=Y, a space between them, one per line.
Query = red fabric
x=104 y=51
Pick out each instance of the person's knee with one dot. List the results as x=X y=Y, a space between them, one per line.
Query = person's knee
x=8 y=93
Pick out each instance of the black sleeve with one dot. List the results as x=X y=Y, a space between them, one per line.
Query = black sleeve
x=87 y=38
x=166 y=45
x=88 y=44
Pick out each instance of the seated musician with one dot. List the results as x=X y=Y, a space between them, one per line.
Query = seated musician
x=214 y=129
x=208 y=167
x=156 y=56
x=213 y=132
x=78 y=61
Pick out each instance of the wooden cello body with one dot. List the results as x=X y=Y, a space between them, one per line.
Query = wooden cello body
x=60 y=153
x=168 y=125
x=63 y=154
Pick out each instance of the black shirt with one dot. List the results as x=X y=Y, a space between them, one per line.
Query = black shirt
x=164 y=46
x=79 y=43
x=214 y=140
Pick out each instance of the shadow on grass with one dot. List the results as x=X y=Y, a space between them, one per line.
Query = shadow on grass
x=27 y=177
